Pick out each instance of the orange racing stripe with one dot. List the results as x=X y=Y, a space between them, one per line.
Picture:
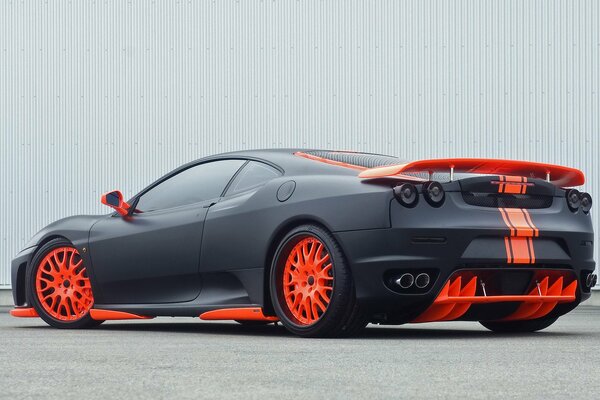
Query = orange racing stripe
x=512 y=184
x=519 y=245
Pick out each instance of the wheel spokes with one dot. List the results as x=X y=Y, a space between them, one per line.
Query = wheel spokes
x=308 y=280
x=62 y=285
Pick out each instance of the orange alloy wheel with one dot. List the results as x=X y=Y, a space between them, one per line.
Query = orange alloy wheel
x=308 y=280
x=62 y=285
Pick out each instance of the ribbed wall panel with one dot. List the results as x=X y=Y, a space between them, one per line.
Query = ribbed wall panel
x=96 y=95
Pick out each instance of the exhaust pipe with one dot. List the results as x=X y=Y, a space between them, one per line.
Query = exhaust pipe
x=405 y=281
x=591 y=280
x=422 y=280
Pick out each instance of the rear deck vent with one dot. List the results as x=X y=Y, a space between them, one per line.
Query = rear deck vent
x=507 y=200
x=364 y=160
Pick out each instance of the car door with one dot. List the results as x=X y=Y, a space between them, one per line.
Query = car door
x=152 y=256
x=241 y=221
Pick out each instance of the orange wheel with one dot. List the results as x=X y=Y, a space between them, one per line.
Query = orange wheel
x=308 y=280
x=311 y=285
x=62 y=286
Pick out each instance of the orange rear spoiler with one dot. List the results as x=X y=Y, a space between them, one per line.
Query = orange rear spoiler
x=558 y=175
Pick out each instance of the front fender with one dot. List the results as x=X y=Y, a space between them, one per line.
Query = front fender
x=75 y=229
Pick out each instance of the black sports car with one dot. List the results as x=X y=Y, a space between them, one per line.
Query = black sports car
x=324 y=242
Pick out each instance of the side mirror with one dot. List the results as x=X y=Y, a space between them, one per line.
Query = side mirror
x=114 y=200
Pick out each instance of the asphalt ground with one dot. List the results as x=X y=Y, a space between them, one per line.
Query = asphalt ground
x=187 y=358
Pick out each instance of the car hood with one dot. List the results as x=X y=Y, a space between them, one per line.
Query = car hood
x=73 y=228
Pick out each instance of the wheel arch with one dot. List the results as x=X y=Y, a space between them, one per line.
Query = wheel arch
x=47 y=239
x=276 y=238
x=22 y=295
x=66 y=273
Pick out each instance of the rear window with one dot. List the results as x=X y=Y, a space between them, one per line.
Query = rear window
x=252 y=176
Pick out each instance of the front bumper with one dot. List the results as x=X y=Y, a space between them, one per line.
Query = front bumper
x=18 y=270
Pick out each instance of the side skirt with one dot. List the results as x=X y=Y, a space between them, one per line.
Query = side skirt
x=246 y=312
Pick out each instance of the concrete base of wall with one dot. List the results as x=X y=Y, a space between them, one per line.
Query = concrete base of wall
x=6 y=299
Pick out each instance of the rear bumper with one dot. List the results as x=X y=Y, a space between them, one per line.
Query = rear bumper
x=452 y=238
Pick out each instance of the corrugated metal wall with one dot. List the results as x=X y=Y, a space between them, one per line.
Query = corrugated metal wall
x=96 y=95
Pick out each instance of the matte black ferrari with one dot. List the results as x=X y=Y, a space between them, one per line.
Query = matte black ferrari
x=324 y=242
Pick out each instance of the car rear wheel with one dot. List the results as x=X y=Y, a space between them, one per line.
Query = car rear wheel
x=59 y=287
x=518 y=326
x=312 y=287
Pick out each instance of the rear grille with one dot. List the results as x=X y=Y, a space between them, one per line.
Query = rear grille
x=507 y=200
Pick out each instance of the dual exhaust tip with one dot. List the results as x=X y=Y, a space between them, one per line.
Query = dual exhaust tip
x=591 y=280
x=407 y=280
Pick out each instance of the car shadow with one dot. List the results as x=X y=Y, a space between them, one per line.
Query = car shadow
x=272 y=330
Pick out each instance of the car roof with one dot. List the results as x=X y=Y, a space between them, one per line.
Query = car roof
x=312 y=161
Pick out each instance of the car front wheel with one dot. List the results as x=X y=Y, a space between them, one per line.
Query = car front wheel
x=59 y=287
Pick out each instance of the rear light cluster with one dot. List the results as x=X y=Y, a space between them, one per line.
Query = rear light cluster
x=408 y=195
x=577 y=200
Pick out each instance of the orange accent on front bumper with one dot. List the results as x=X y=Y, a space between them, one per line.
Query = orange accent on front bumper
x=110 y=315
x=241 y=314
x=455 y=299
x=24 y=312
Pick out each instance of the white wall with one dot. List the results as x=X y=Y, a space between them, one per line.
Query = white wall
x=96 y=95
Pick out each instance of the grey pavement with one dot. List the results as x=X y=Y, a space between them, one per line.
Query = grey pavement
x=187 y=358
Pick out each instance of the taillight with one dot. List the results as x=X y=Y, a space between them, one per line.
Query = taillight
x=434 y=193
x=573 y=199
x=406 y=194
x=586 y=202
x=577 y=200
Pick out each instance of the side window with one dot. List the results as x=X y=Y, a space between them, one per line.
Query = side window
x=195 y=184
x=253 y=175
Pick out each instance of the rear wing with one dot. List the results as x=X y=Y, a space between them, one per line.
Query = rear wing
x=556 y=174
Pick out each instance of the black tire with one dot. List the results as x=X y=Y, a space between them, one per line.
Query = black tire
x=343 y=315
x=85 y=321
x=519 y=326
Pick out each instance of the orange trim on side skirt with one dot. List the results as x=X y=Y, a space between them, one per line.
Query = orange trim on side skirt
x=110 y=315
x=240 y=314
x=24 y=312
